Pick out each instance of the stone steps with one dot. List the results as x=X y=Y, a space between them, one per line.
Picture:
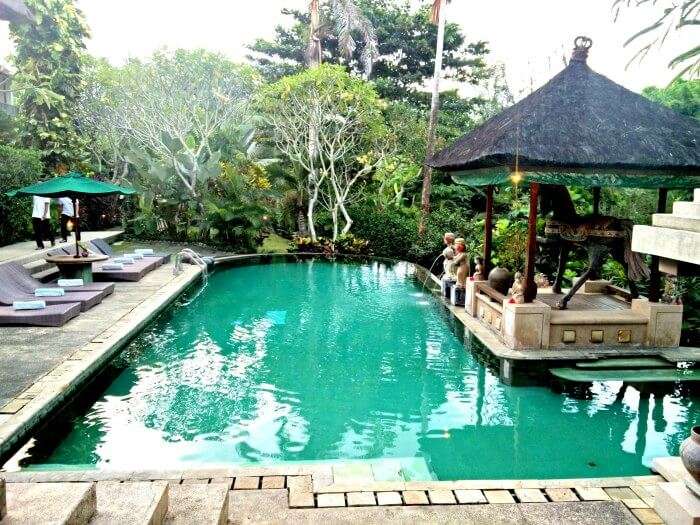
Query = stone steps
x=205 y=504
x=131 y=503
x=50 y=503
x=690 y=210
x=114 y=503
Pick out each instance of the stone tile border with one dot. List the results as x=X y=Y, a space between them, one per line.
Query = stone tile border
x=635 y=492
x=37 y=402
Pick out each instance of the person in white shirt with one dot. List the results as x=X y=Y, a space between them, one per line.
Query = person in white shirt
x=67 y=215
x=41 y=215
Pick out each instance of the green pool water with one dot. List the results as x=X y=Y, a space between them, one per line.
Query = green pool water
x=324 y=361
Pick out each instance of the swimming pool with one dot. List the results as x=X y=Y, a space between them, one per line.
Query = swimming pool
x=314 y=360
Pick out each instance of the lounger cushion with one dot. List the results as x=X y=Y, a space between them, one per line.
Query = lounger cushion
x=52 y=315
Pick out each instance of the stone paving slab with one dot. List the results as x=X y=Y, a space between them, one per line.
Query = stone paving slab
x=253 y=507
x=469 y=496
x=201 y=504
x=415 y=497
x=559 y=494
x=361 y=499
x=130 y=503
x=498 y=496
x=73 y=503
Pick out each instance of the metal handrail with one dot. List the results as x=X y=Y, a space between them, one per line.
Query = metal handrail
x=194 y=257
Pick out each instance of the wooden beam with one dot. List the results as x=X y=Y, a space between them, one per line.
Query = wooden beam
x=655 y=276
x=488 y=230
x=530 y=286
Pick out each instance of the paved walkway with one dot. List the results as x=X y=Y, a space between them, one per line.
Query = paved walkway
x=29 y=353
x=306 y=494
x=26 y=251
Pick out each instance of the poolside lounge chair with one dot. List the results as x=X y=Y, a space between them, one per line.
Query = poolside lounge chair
x=104 y=248
x=24 y=280
x=10 y=292
x=52 y=315
x=133 y=272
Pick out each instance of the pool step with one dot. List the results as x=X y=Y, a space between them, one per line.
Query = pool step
x=626 y=362
x=198 y=503
x=55 y=503
x=131 y=503
x=651 y=375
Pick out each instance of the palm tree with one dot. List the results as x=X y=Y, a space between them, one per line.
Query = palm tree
x=348 y=18
x=437 y=16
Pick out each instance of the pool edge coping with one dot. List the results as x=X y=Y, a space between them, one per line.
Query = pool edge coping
x=54 y=388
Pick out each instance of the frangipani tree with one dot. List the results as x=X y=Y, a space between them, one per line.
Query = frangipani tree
x=168 y=110
x=330 y=125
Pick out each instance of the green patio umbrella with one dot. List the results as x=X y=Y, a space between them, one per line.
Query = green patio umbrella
x=73 y=185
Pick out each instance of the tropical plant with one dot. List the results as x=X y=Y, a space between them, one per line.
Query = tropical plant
x=18 y=167
x=48 y=55
x=348 y=18
x=406 y=50
x=171 y=107
x=673 y=15
x=330 y=125
x=681 y=95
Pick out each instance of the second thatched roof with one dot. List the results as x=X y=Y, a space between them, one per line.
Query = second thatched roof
x=580 y=121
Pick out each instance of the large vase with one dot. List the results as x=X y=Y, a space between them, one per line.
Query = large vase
x=500 y=280
x=690 y=453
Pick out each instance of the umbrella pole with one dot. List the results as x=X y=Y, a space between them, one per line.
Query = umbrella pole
x=77 y=228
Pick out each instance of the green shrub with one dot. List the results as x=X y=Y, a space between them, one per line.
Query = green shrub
x=455 y=220
x=390 y=231
x=18 y=167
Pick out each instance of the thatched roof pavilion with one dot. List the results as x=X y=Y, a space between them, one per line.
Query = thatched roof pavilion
x=580 y=129
x=582 y=122
x=14 y=11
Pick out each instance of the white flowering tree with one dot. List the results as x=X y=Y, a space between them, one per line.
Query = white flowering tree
x=330 y=125
x=168 y=110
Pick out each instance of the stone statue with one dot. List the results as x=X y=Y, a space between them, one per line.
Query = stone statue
x=448 y=254
x=541 y=281
x=460 y=263
x=517 y=291
x=479 y=269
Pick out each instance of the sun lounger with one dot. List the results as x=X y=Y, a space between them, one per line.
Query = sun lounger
x=11 y=292
x=133 y=272
x=28 y=284
x=104 y=248
x=52 y=315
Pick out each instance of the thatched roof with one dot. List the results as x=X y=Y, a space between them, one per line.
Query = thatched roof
x=14 y=11
x=580 y=121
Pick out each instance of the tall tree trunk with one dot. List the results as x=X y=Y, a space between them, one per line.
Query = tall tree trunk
x=434 y=108
x=334 y=216
x=346 y=217
x=301 y=218
x=313 y=51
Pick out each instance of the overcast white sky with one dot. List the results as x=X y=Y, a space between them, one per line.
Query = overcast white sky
x=529 y=36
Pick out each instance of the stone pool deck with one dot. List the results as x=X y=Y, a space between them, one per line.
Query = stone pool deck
x=41 y=367
x=318 y=493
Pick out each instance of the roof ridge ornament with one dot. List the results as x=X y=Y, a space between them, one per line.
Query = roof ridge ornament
x=581 y=46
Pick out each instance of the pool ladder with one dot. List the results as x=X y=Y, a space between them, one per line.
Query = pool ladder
x=193 y=257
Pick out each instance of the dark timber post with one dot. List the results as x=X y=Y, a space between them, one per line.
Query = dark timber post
x=488 y=230
x=530 y=287
x=655 y=277
x=596 y=201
